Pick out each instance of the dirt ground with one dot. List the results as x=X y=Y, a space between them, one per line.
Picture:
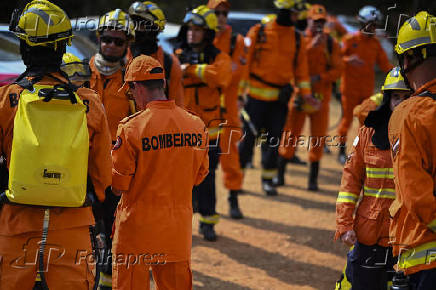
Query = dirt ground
x=284 y=242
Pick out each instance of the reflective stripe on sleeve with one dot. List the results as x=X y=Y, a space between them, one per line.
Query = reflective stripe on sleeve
x=347 y=197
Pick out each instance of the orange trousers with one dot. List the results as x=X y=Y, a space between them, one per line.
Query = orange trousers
x=231 y=135
x=68 y=252
x=348 y=105
x=318 y=130
x=169 y=276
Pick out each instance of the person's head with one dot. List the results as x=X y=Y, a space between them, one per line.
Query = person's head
x=289 y=11
x=394 y=89
x=115 y=30
x=317 y=17
x=416 y=49
x=42 y=40
x=201 y=25
x=78 y=71
x=145 y=79
x=221 y=8
x=368 y=18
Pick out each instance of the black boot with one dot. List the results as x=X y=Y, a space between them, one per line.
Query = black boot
x=281 y=166
x=235 y=212
x=342 y=157
x=208 y=231
x=268 y=187
x=296 y=160
x=313 y=176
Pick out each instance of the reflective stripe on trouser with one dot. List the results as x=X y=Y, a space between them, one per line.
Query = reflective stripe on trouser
x=269 y=116
x=421 y=255
x=229 y=158
x=318 y=130
x=203 y=195
x=348 y=105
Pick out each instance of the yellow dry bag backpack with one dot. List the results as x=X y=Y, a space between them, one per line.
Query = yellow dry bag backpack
x=50 y=146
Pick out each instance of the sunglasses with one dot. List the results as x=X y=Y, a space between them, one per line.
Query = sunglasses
x=108 y=40
x=224 y=13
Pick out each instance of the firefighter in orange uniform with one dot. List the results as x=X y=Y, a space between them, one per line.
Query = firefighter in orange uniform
x=68 y=228
x=361 y=51
x=207 y=72
x=232 y=44
x=149 y=22
x=115 y=30
x=276 y=66
x=369 y=170
x=160 y=154
x=325 y=67
x=411 y=134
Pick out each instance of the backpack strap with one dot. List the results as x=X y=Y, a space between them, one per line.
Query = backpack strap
x=427 y=94
x=233 y=43
x=168 y=64
x=329 y=50
x=297 y=47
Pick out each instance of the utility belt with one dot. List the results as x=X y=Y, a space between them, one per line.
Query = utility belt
x=285 y=91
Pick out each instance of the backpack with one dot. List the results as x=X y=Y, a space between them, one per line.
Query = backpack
x=49 y=158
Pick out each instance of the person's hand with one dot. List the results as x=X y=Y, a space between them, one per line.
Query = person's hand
x=349 y=238
x=184 y=66
x=355 y=60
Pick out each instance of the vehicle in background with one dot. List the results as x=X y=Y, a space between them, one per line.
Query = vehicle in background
x=11 y=64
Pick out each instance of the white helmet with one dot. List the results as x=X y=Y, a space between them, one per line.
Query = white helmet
x=369 y=13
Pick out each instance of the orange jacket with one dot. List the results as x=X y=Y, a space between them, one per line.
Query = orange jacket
x=223 y=41
x=411 y=133
x=323 y=63
x=204 y=86
x=161 y=153
x=18 y=219
x=116 y=105
x=272 y=58
x=359 y=80
x=175 y=84
x=361 y=111
x=368 y=171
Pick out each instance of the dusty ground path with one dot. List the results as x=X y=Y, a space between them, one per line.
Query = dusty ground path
x=284 y=242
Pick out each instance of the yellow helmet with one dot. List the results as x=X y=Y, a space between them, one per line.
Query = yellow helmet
x=41 y=23
x=268 y=18
x=75 y=68
x=116 y=20
x=304 y=13
x=394 y=81
x=296 y=5
x=418 y=31
x=148 y=11
x=202 y=16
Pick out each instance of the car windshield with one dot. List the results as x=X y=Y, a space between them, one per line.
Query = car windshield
x=9 y=47
x=241 y=25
